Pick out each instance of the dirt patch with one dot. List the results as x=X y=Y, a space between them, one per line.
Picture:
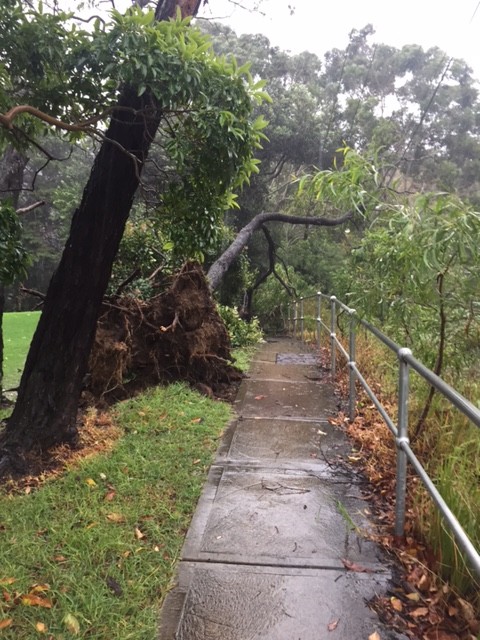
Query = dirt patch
x=177 y=335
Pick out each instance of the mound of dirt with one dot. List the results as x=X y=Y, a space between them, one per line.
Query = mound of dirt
x=177 y=335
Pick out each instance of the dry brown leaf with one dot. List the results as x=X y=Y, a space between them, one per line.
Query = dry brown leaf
x=420 y=612
x=39 y=588
x=196 y=461
x=260 y=397
x=414 y=596
x=4 y=581
x=467 y=609
x=110 y=496
x=5 y=623
x=31 y=600
x=116 y=517
x=353 y=566
x=196 y=420
x=333 y=625
x=138 y=534
x=396 y=604
x=41 y=627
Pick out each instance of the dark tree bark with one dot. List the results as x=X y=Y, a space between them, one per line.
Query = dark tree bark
x=12 y=169
x=223 y=263
x=46 y=408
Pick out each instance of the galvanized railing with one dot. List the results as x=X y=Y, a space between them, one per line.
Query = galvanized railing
x=406 y=361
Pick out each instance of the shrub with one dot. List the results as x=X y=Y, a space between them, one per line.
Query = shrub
x=242 y=334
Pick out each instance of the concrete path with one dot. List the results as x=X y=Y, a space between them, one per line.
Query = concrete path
x=278 y=520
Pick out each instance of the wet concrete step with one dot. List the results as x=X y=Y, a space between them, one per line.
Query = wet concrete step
x=283 y=517
x=285 y=398
x=225 y=602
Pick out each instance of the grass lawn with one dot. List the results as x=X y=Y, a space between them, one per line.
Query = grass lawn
x=18 y=330
x=90 y=552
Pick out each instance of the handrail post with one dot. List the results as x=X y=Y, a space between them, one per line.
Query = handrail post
x=351 y=364
x=333 y=321
x=288 y=316
x=295 y=320
x=319 y=318
x=403 y=380
x=302 y=319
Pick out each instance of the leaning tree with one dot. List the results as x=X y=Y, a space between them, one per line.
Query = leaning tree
x=149 y=72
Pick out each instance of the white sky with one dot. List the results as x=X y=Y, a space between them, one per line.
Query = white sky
x=318 y=26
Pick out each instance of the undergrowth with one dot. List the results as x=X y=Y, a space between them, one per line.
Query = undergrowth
x=448 y=447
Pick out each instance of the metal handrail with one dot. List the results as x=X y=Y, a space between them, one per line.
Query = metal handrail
x=406 y=361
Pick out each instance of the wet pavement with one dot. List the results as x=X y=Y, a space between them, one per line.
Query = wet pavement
x=278 y=520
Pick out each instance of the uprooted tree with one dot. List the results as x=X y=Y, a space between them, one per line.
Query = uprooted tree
x=154 y=73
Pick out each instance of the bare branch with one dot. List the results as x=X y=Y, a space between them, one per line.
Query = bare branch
x=30 y=207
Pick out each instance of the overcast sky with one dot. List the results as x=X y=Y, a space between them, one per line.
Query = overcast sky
x=319 y=26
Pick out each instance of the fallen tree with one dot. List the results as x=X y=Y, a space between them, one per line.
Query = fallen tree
x=224 y=262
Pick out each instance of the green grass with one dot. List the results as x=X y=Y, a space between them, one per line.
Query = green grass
x=103 y=539
x=243 y=357
x=18 y=330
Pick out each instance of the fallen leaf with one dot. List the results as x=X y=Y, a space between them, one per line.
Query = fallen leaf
x=196 y=461
x=333 y=625
x=41 y=627
x=110 y=496
x=260 y=397
x=60 y=559
x=467 y=609
x=138 y=534
x=414 y=596
x=116 y=517
x=5 y=623
x=31 y=600
x=91 y=482
x=374 y=636
x=7 y=580
x=353 y=566
x=196 y=420
x=71 y=623
x=419 y=613
x=396 y=604
x=39 y=588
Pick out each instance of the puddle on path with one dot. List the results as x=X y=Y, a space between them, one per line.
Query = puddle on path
x=296 y=358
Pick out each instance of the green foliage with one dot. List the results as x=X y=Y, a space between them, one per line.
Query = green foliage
x=271 y=299
x=354 y=184
x=208 y=133
x=456 y=478
x=241 y=333
x=417 y=267
x=13 y=257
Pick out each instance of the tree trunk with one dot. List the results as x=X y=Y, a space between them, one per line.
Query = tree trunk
x=46 y=408
x=12 y=168
x=223 y=263
x=51 y=384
